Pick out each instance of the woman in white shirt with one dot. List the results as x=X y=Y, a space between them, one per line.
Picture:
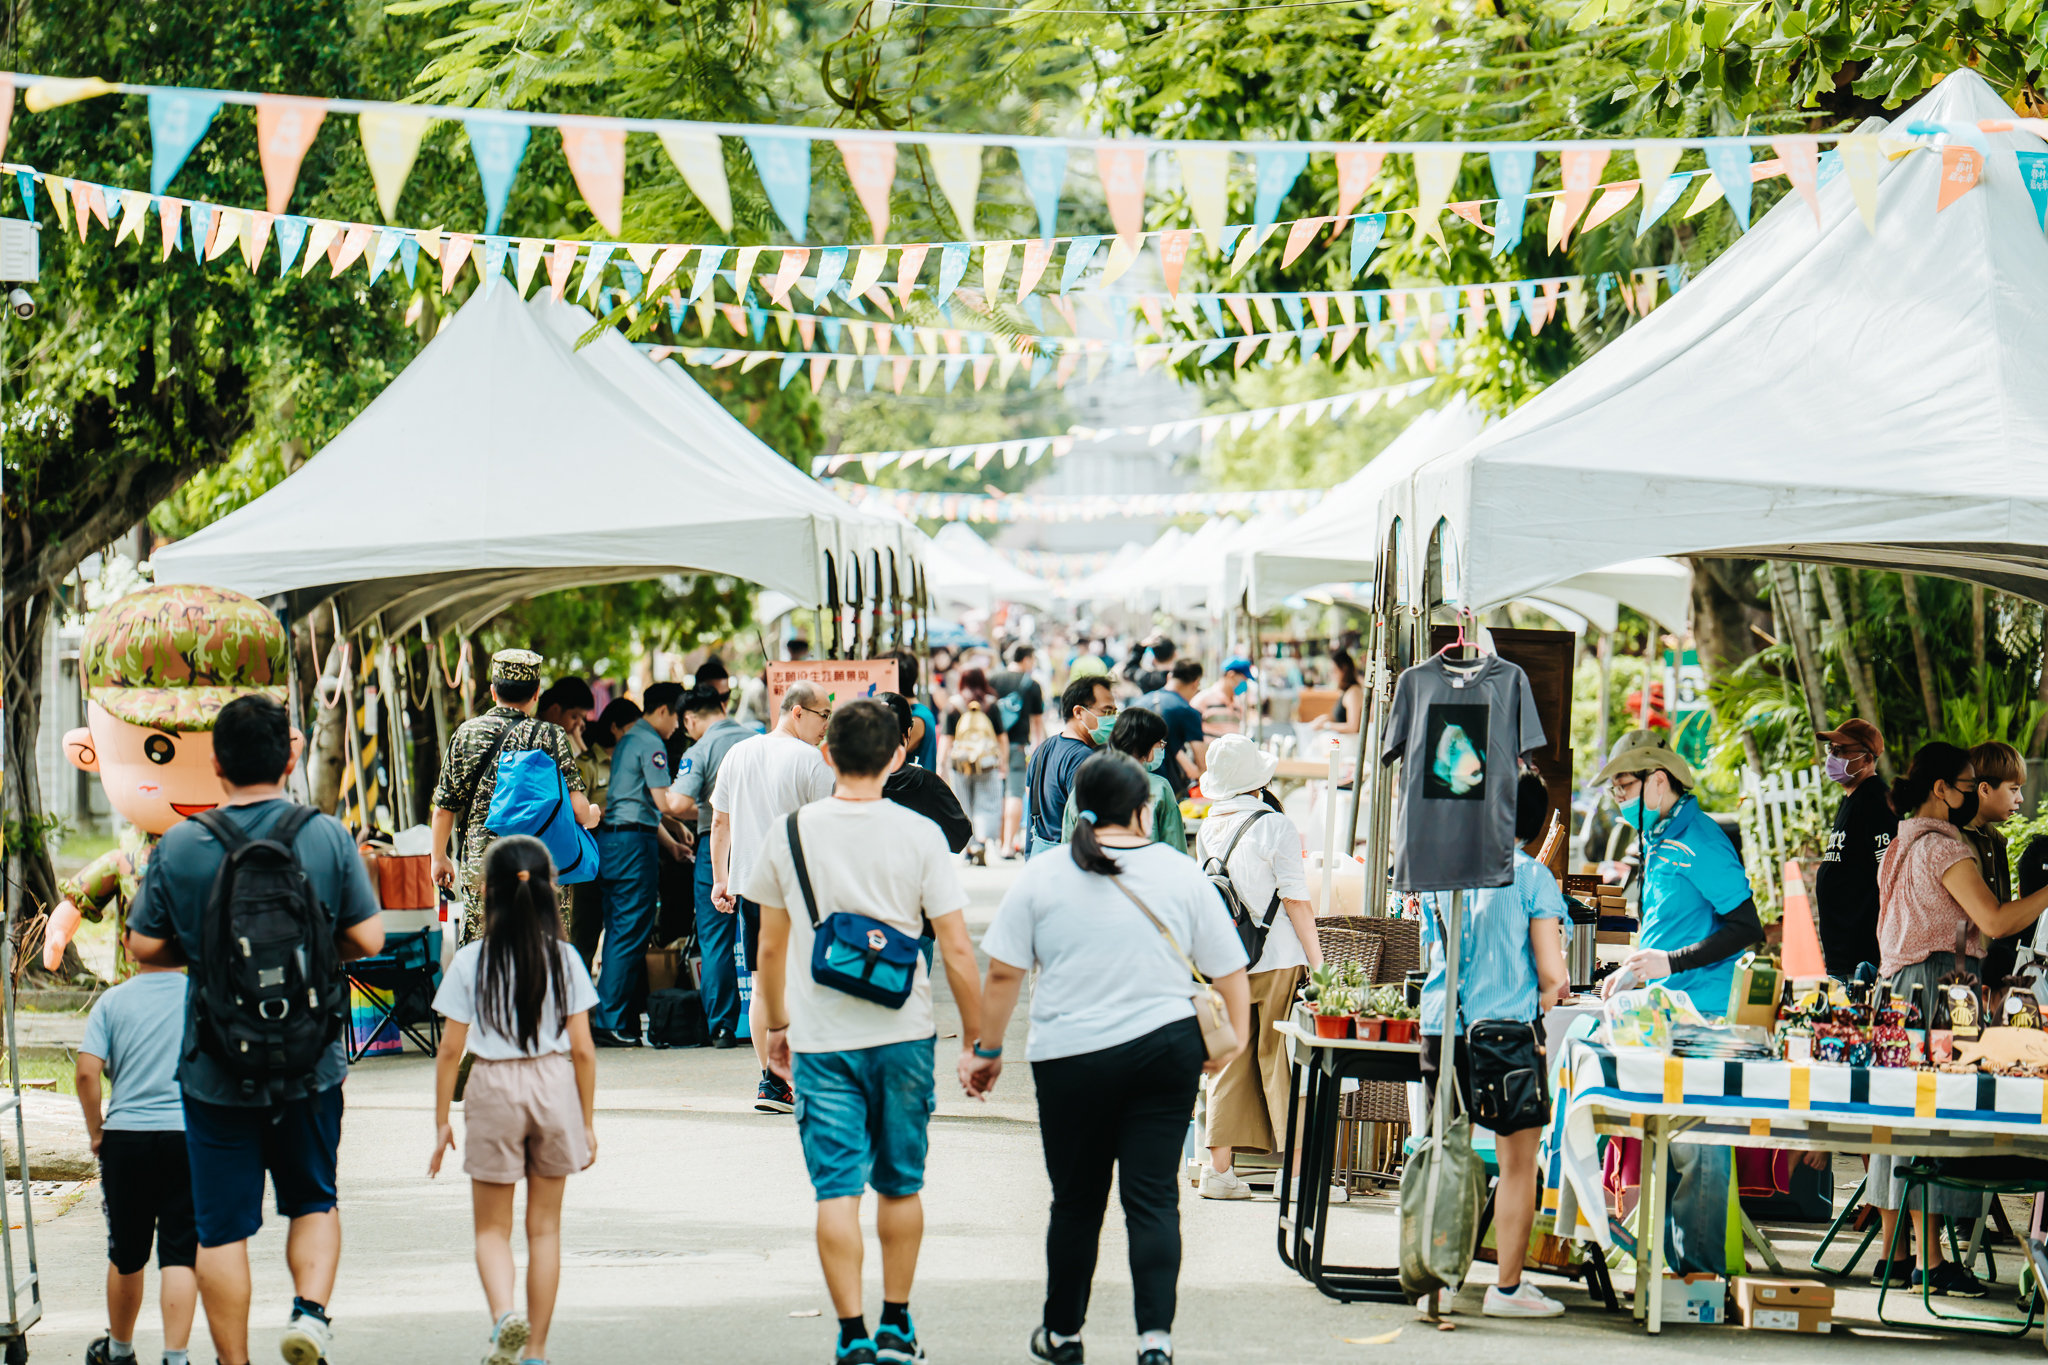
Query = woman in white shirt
x=518 y=1000
x=1115 y=1049
x=1248 y=1101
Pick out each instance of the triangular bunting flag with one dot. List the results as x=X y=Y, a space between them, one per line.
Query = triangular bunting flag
x=319 y=242
x=1728 y=158
x=1036 y=255
x=995 y=263
x=391 y=140
x=285 y=128
x=2034 y=175
x=1612 y=200
x=1278 y=169
x=1581 y=167
x=1655 y=161
x=1173 y=254
x=1204 y=176
x=957 y=166
x=701 y=159
x=177 y=120
x=1961 y=168
x=1436 y=171
x=1357 y=168
x=909 y=265
x=1366 y=232
x=1045 y=169
x=871 y=166
x=784 y=165
x=291 y=235
x=1802 y=168
x=1514 y=172
x=596 y=153
x=531 y=252
x=1122 y=169
x=498 y=147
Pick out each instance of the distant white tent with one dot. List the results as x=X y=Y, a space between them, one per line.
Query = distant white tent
x=1004 y=581
x=502 y=463
x=1824 y=393
x=1115 y=582
x=1178 y=584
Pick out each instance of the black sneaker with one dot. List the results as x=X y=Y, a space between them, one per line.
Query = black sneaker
x=860 y=1352
x=898 y=1348
x=101 y=1352
x=1155 y=1356
x=724 y=1038
x=1896 y=1274
x=774 y=1096
x=1042 y=1348
x=611 y=1037
x=1950 y=1280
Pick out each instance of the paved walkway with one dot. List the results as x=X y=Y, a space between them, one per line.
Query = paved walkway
x=691 y=1240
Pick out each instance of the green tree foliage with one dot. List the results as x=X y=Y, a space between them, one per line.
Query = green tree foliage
x=599 y=631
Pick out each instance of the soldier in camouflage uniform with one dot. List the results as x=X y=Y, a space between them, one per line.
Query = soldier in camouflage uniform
x=469 y=774
x=158 y=665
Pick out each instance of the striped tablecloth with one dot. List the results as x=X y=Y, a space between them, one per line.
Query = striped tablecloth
x=1602 y=1091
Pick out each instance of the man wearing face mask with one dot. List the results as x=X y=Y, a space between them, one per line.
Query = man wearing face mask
x=1697 y=911
x=1142 y=735
x=1088 y=707
x=1845 y=885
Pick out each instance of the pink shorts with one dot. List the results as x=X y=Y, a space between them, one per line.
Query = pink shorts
x=522 y=1117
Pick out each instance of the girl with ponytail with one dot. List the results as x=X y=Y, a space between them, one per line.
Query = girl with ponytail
x=1116 y=1053
x=1935 y=917
x=518 y=1000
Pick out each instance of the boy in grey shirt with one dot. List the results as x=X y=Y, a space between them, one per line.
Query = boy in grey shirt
x=132 y=1039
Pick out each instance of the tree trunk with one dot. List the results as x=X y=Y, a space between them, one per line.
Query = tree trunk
x=22 y=631
x=1811 y=680
x=1722 y=600
x=1852 y=660
x=1909 y=587
x=1980 y=680
x=2038 y=744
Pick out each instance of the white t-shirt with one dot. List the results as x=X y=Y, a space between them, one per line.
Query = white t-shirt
x=1105 y=975
x=1269 y=859
x=457 y=1000
x=760 y=782
x=872 y=858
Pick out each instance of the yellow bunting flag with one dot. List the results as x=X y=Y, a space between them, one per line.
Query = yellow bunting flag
x=60 y=200
x=1961 y=168
x=531 y=251
x=318 y=239
x=670 y=261
x=701 y=159
x=1709 y=195
x=1356 y=170
x=1655 y=161
x=1436 y=171
x=867 y=268
x=1861 y=157
x=52 y=91
x=1204 y=177
x=871 y=166
x=134 y=208
x=1037 y=252
x=995 y=263
x=1248 y=243
x=957 y=165
x=285 y=127
x=743 y=269
x=391 y=140
x=1122 y=255
x=596 y=153
x=430 y=242
x=227 y=228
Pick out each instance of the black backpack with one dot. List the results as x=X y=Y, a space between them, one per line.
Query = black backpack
x=268 y=990
x=1250 y=931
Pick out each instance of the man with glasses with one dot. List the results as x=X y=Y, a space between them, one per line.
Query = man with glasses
x=1845 y=885
x=1088 y=707
x=760 y=782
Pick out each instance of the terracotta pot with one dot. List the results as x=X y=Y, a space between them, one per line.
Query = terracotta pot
x=1333 y=1026
x=1365 y=1029
x=1400 y=1031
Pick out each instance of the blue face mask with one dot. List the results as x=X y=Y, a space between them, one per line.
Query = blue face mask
x=1153 y=763
x=1238 y=691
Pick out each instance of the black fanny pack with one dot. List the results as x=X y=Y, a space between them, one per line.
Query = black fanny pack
x=1510 y=1092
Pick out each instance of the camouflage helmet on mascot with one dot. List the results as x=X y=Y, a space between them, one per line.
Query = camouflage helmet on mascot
x=169 y=657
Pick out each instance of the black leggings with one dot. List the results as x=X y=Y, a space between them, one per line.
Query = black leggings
x=1125 y=1110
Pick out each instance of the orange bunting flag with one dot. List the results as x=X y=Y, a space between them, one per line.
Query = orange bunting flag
x=794 y=259
x=1801 y=163
x=561 y=261
x=1581 y=174
x=1173 y=254
x=1300 y=235
x=1241 y=310
x=1122 y=168
x=871 y=166
x=909 y=265
x=1469 y=211
x=1612 y=200
x=452 y=257
x=1037 y=252
x=170 y=214
x=1961 y=168
x=597 y=159
x=346 y=250
x=1319 y=305
x=1356 y=170
x=285 y=128
x=81 y=206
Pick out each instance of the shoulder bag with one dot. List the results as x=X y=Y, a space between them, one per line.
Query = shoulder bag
x=856 y=954
x=1219 y=1039
x=1505 y=1057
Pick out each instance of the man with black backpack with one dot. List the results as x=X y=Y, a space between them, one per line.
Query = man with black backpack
x=264 y=899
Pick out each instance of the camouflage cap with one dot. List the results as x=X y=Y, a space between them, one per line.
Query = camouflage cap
x=171 y=656
x=515 y=665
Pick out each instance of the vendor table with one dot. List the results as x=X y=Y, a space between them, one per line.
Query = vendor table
x=1640 y=1093
x=1328 y=1063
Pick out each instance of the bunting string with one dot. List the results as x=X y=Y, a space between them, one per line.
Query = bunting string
x=987 y=507
x=1030 y=449
x=594 y=148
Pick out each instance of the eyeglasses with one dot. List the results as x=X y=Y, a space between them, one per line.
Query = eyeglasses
x=821 y=715
x=1621 y=786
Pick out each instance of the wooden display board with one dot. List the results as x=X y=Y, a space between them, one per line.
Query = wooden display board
x=842 y=679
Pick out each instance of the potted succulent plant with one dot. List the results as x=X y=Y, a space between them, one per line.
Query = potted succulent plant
x=1402 y=1023
x=1328 y=996
x=1373 y=1009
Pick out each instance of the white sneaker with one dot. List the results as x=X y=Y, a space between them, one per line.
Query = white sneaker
x=1525 y=1300
x=508 y=1339
x=1448 y=1305
x=1225 y=1185
x=307 y=1341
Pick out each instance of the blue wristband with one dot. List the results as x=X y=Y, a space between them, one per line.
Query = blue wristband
x=985 y=1053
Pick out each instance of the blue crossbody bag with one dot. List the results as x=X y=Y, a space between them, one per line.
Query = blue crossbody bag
x=861 y=956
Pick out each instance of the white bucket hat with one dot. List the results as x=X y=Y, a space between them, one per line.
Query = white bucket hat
x=1236 y=766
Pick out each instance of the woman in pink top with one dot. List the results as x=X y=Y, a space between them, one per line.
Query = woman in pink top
x=1935 y=916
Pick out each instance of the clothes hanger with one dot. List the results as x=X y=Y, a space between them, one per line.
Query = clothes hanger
x=1462 y=642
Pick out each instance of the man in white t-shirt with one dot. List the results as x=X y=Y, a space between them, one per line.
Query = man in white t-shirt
x=1248 y=1106
x=761 y=781
x=864 y=1067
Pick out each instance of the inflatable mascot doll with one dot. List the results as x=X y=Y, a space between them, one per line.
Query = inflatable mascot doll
x=158 y=666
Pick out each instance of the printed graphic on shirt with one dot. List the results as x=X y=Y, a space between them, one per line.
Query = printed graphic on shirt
x=1456 y=737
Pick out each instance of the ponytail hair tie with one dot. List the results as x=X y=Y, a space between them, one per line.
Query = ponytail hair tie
x=524 y=875
x=1089 y=816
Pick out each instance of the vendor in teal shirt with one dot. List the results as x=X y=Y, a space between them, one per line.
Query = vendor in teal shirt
x=1698 y=913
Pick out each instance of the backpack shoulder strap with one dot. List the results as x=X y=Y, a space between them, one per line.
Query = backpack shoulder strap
x=232 y=839
x=476 y=779
x=292 y=824
x=803 y=874
x=1242 y=830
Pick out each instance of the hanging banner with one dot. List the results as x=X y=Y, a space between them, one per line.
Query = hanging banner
x=842 y=679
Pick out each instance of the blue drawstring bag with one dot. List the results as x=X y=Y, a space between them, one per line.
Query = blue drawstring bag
x=531 y=797
x=861 y=956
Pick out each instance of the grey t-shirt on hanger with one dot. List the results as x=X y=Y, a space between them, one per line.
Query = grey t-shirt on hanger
x=1460 y=729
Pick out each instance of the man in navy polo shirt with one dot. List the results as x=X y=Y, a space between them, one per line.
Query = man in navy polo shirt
x=629 y=861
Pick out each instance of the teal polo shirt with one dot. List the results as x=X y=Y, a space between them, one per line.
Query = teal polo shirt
x=1692 y=878
x=639 y=763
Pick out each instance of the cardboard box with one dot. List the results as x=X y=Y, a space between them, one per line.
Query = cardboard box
x=1753 y=999
x=1695 y=1298
x=664 y=965
x=1774 y=1305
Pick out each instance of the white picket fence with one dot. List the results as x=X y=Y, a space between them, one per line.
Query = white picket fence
x=1771 y=805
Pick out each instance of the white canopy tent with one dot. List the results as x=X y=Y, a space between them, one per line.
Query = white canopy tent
x=447 y=499
x=1330 y=543
x=1660 y=589
x=1817 y=394
x=983 y=564
x=1179 y=583
x=1114 y=583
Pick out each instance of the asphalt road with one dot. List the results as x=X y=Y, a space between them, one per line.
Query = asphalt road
x=690 y=1239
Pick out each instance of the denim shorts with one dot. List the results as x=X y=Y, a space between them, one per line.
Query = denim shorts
x=862 y=1116
x=1014 y=784
x=230 y=1147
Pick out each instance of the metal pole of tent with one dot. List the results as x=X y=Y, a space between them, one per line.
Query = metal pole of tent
x=1369 y=723
x=396 y=732
x=351 y=737
x=295 y=700
x=1253 y=692
x=436 y=690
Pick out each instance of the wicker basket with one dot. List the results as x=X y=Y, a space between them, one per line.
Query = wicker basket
x=1400 y=943
x=1348 y=947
